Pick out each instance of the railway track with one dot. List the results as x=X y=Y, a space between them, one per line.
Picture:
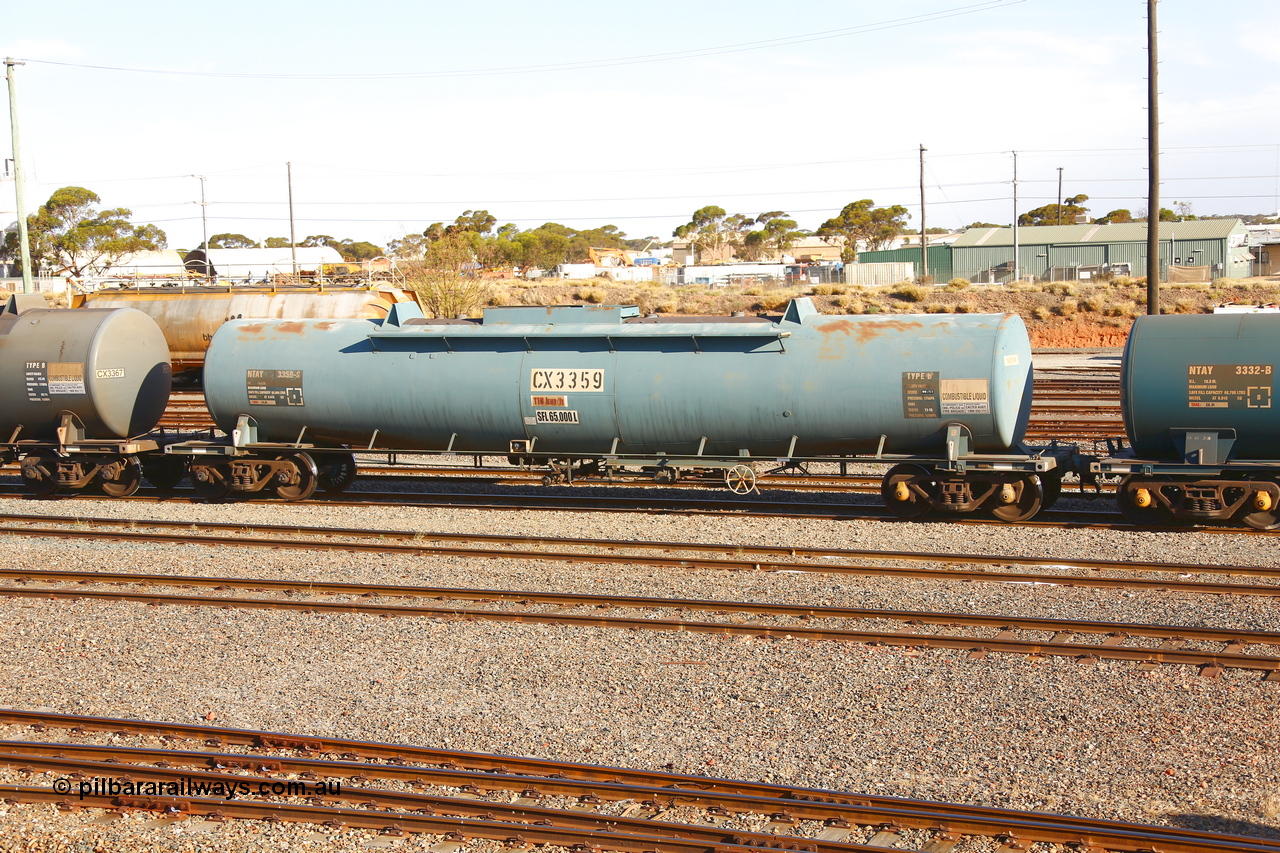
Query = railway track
x=523 y=605
x=558 y=500
x=610 y=808
x=682 y=555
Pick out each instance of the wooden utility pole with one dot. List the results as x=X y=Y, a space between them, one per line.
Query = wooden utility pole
x=24 y=247
x=1059 y=195
x=293 y=240
x=1017 y=267
x=924 y=238
x=1153 y=167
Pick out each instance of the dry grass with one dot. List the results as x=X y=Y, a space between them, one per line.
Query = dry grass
x=852 y=305
x=1069 y=307
x=1270 y=806
x=910 y=293
x=957 y=284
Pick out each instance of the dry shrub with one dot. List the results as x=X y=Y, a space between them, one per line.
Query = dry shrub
x=1025 y=287
x=666 y=306
x=771 y=302
x=1186 y=306
x=1121 y=309
x=445 y=293
x=1123 y=281
x=1062 y=288
x=827 y=290
x=852 y=305
x=1069 y=307
x=592 y=296
x=962 y=308
x=909 y=293
x=1094 y=303
x=1042 y=313
x=957 y=284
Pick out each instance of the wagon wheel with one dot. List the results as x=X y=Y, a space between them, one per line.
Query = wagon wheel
x=908 y=490
x=741 y=479
x=164 y=472
x=1129 y=496
x=1028 y=500
x=40 y=473
x=1262 y=519
x=337 y=473
x=121 y=478
x=210 y=482
x=299 y=483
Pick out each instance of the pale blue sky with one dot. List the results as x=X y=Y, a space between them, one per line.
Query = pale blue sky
x=636 y=115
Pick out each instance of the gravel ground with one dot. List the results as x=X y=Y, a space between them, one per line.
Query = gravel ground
x=1103 y=740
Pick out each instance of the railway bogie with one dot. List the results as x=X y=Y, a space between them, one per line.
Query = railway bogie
x=291 y=475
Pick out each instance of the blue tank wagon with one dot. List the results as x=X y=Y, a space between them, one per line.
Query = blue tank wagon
x=82 y=390
x=602 y=391
x=1197 y=395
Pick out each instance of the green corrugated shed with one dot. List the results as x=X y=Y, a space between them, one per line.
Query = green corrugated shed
x=939 y=260
x=982 y=254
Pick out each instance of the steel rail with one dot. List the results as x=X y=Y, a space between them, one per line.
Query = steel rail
x=544 y=778
x=740 y=508
x=425 y=542
x=378 y=799
x=398 y=823
x=835 y=809
x=1167 y=653
x=717 y=606
x=1181 y=586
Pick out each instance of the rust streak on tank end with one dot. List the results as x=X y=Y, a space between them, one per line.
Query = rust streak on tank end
x=326 y=325
x=255 y=329
x=867 y=331
x=290 y=327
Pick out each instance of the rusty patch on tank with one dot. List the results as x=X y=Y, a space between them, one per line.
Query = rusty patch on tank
x=325 y=325
x=867 y=331
x=250 y=330
x=291 y=327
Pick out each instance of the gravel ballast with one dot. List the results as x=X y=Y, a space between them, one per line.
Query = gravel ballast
x=1100 y=739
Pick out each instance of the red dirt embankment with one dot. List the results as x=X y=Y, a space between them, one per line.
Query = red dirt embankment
x=1078 y=333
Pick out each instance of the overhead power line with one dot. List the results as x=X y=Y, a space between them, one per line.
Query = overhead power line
x=673 y=56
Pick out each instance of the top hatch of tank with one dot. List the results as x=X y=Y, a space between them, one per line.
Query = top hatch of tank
x=553 y=314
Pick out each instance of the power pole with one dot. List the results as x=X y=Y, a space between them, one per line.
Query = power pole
x=1017 y=268
x=1153 y=167
x=293 y=243
x=204 y=228
x=1059 y=195
x=24 y=247
x=924 y=238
